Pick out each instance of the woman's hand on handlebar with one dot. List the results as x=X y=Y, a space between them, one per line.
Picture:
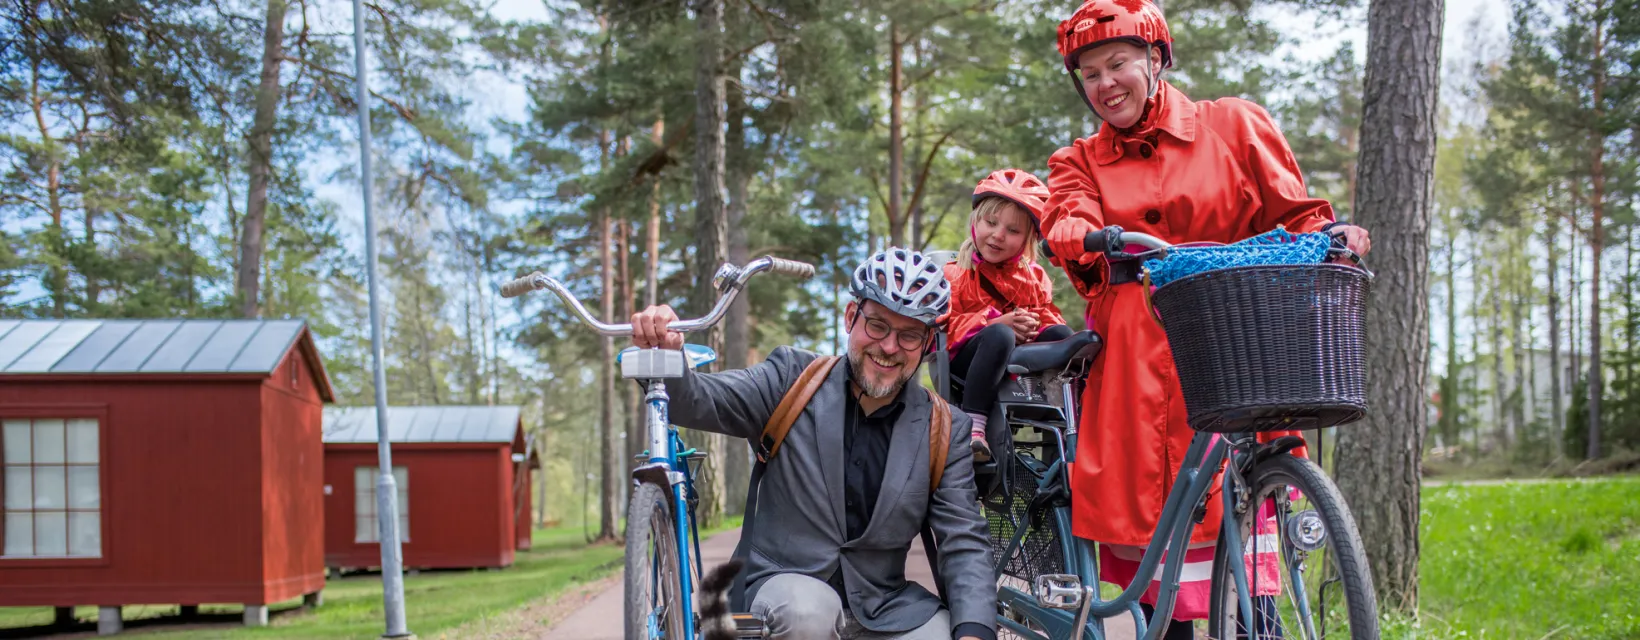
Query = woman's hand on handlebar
x=1356 y=239
x=1065 y=239
x=649 y=329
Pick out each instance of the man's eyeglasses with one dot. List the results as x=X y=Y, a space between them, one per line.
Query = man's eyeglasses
x=908 y=339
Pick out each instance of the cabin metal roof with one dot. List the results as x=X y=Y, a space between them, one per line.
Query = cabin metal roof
x=424 y=424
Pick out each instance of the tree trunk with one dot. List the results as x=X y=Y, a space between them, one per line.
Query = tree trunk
x=1576 y=293
x=711 y=227
x=637 y=438
x=1450 y=407
x=1597 y=233
x=611 y=466
x=541 y=486
x=652 y=243
x=261 y=162
x=1500 y=392
x=896 y=140
x=1475 y=283
x=1557 y=409
x=626 y=456
x=1378 y=461
x=737 y=339
x=54 y=190
x=919 y=235
x=1520 y=345
x=92 y=289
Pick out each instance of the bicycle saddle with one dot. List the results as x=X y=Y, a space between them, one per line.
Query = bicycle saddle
x=1047 y=356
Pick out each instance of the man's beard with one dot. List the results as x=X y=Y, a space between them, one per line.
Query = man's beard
x=857 y=362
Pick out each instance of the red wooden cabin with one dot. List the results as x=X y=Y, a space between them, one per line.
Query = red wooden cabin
x=463 y=476
x=160 y=462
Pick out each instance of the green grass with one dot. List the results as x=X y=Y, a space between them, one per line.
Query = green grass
x=435 y=601
x=1531 y=560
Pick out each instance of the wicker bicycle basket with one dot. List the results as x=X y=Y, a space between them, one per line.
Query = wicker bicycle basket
x=1261 y=348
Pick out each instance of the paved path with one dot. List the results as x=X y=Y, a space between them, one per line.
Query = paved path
x=598 y=616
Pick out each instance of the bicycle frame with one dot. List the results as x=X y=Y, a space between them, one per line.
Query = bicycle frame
x=1206 y=453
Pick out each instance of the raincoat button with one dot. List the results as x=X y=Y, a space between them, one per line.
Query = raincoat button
x=1153 y=216
x=1144 y=150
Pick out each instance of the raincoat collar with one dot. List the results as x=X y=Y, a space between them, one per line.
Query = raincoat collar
x=1174 y=114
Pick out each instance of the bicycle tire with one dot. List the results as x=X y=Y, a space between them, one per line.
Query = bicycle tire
x=1342 y=549
x=652 y=561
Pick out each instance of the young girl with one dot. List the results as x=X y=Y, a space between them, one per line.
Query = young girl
x=1183 y=171
x=1000 y=297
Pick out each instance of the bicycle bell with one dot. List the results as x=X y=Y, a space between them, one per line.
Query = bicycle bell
x=726 y=277
x=1306 y=531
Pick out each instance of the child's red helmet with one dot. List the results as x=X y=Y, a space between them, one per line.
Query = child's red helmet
x=1099 y=21
x=1018 y=186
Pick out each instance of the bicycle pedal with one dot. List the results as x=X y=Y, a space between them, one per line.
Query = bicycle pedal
x=1059 y=591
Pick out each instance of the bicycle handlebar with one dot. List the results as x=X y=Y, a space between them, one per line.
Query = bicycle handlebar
x=1112 y=241
x=731 y=280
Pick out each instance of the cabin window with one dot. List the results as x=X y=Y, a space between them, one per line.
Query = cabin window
x=365 y=527
x=52 y=488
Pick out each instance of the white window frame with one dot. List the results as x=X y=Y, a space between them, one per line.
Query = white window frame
x=51 y=469
x=366 y=528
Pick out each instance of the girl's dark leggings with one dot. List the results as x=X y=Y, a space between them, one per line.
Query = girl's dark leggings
x=983 y=361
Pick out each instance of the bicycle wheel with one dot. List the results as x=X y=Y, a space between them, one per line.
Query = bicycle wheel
x=654 y=602
x=1308 y=540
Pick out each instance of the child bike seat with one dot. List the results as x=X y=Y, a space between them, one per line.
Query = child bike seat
x=1048 y=356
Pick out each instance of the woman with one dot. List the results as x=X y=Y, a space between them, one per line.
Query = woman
x=1183 y=171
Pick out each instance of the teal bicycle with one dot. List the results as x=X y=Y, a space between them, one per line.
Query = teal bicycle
x=662 y=539
x=1289 y=560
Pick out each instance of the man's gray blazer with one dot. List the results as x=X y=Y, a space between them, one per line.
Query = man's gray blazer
x=801 y=525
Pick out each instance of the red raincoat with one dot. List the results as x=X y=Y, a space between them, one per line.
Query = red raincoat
x=1214 y=171
x=1025 y=285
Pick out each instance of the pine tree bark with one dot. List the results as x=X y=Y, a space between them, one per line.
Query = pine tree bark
x=1500 y=392
x=1557 y=408
x=607 y=435
x=261 y=162
x=1378 y=460
x=637 y=437
x=54 y=190
x=711 y=226
x=1520 y=344
x=1449 y=396
x=896 y=140
x=1597 y=230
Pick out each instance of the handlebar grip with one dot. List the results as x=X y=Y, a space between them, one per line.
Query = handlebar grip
x=521 y=286
x=791 y=267
x=1103 y=240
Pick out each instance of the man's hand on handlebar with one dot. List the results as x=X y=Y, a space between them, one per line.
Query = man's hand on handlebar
x=649 y=329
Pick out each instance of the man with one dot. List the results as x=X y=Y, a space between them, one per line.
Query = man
x=848 y=492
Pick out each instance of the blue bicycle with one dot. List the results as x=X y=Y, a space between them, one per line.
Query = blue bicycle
x=662 y=539
x=1289 y=561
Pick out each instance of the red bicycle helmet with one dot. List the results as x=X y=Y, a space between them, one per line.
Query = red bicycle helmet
x=1018 y=186
x=1099 y=21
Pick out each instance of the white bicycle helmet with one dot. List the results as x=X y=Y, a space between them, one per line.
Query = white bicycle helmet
x=907 y=282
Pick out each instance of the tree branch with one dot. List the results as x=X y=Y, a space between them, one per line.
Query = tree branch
x=404 y=112
x=928 y=163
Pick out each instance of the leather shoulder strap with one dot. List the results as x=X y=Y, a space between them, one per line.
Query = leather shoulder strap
x=792 y=404
x=939 y=440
